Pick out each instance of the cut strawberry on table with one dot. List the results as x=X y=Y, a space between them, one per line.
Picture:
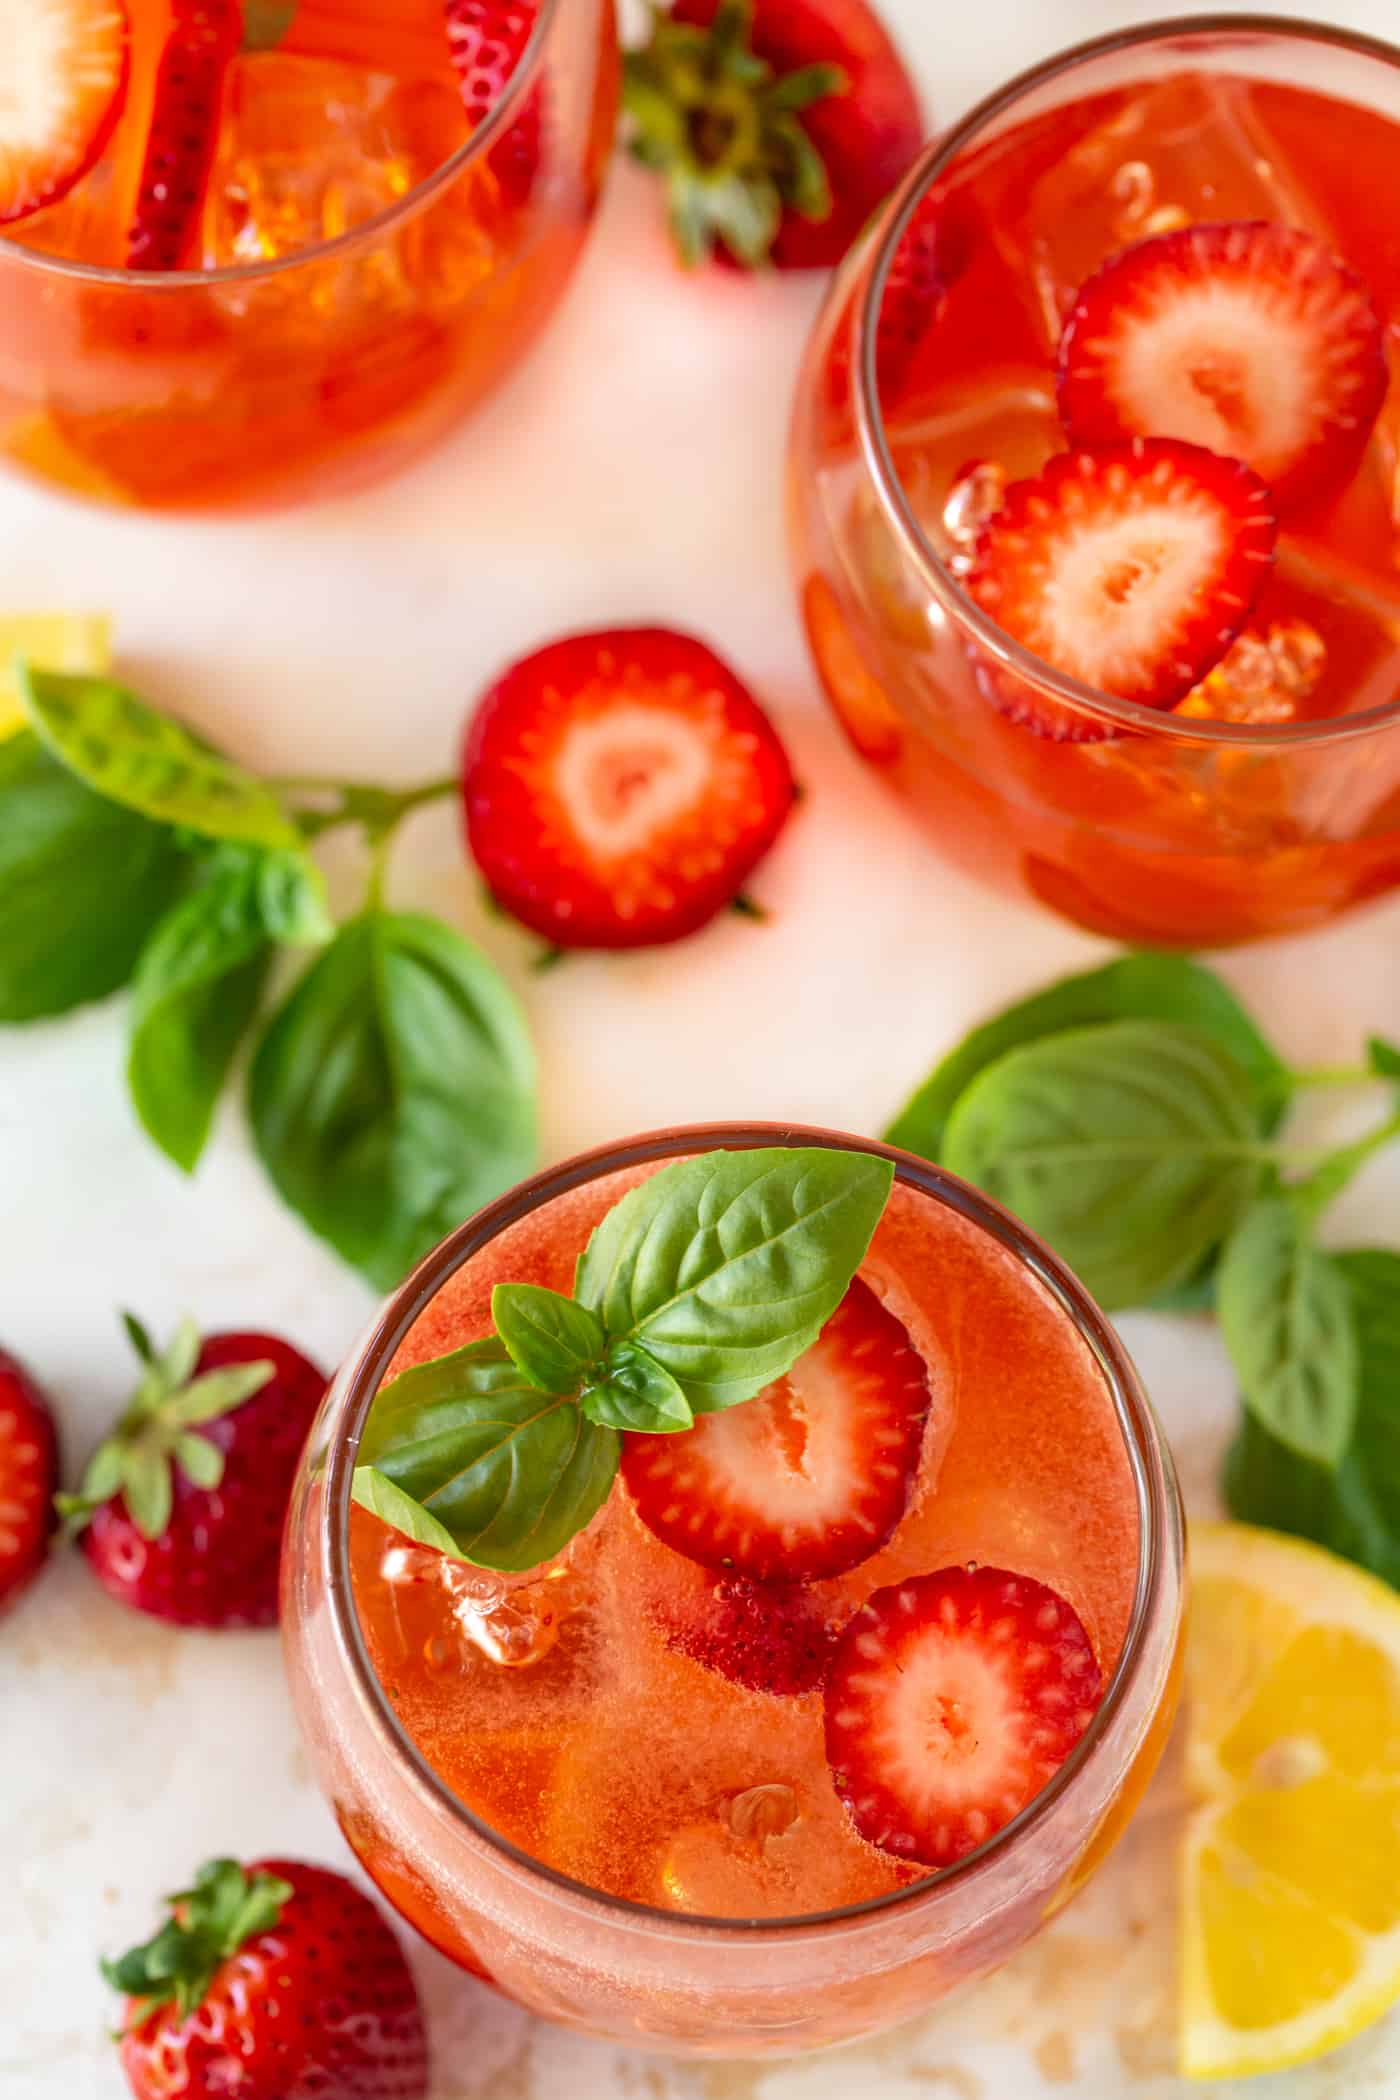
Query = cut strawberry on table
x=488 y=39
x=65 y=65
x=620 y=788
x=810 y=1478
x=1131 y=569
x=1247 y=337
x=778 y=126
x=28 y=1478
x=183 y=1505
x=951 y=1700
x=277 y=1981
x=767 y=1636
x=204 y=39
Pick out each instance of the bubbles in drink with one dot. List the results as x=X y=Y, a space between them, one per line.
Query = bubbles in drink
x=1265 y=676
x=513 y=1627
x=975 y=497
x=762 y=1812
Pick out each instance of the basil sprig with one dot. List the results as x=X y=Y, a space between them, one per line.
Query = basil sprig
x=391 y=1093
x=1131 y=1116
x=702 y=1285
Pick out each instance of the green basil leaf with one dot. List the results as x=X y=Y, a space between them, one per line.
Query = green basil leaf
x=1143 y=987
x=727 y=1267
x=266 y=22
x=283 y=893
x=1287 y=1319
x=198 y=985
x=82 y=883
x=553 y=1340
x=148 y=762
x=1383 y=1057
x=637 y=1393
x=466 y=1455
x=1129 y=1147
x=1355 y=1509
x=392 y=1095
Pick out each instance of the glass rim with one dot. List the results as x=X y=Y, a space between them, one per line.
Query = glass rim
x=933 y=572
x=442 y=178
x=1160 y=1523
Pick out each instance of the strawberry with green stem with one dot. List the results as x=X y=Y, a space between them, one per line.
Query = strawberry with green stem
x=778 y=126
x=181 y=1509
x=277 y=1981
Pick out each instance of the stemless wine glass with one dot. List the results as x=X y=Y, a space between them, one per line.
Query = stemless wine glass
x=332 y=364
x=663 y=1979
x=1167 y=828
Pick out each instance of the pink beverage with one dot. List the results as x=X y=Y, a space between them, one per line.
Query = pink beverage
x=612 y=1784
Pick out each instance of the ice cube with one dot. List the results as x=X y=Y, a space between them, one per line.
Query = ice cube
x=1268 y=674
x=1188 y=148
x=311 y=148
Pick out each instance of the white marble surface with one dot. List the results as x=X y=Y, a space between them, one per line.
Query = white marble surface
x=632 y=472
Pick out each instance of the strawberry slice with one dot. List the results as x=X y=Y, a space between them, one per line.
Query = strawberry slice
x=952 y=1698
x=1132 y=569
x=488 y=39
x=66 y=71
x=812 y=1476
x=620 y=787
x=28 y=1478
x=201 y=46
x=767 y=1636
x=1245 y=336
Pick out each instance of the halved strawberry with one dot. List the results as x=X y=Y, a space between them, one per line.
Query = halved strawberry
x=28 y=1478
x=952 y=1698
x=768 y=1636
x=65 y=67
x=812 y=1476
x=165 y=233
x=1245 y=336
x=1132 y=569
x=487 y=39
x=620 y=787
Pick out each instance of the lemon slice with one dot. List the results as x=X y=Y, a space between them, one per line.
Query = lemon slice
x=1291 y=1892
x=54 y=641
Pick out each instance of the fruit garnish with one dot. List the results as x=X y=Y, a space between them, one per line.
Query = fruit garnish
x=620 y=788
x=1290 y=1907
x=28 y=1478
x=778 y=125
x=809 y=1479
x=65 y=64
x=950 y=1702
x=700 y=1288
x=767 y=1636
x=1131 y=569
x=275 y=1981
x=67 y=642
x=487 y=40
x=205 y=37
x=182 y=1508
x=1247 y=337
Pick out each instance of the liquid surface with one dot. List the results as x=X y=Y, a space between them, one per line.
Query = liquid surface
x=1029 y=216
x=353 y=107
x=557 y=1706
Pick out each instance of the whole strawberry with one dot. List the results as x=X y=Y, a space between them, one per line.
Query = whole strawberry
x=28 y=1477
x=182 y=1507
x=272 y=1982
x=778 y=125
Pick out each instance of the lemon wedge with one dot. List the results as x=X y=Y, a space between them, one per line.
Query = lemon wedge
x=54 y=641
x=1291 y=1872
